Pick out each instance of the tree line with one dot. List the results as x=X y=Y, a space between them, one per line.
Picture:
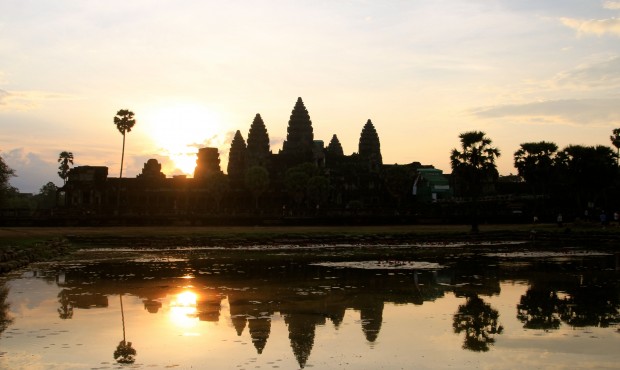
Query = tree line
x=579 y=177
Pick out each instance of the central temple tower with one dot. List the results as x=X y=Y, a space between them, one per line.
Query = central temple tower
x=297 y=147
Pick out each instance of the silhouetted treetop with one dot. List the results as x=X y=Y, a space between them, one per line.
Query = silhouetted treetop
x=6 y=173
x=615 y=141
x=66 y=161
x=535 y=163
x=124 y=120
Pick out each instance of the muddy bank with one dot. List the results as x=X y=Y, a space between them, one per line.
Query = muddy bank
x=21 y=246
x=563 y=238
x=13 y=257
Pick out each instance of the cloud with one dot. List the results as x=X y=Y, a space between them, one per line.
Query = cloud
x=28 y=100
x=32 y=170
x=605 y=74
x=611 y=5
x=4 y=97
x=567 y=111
x=597 y=27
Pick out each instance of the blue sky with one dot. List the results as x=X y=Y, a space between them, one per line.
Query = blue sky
x=196 y=71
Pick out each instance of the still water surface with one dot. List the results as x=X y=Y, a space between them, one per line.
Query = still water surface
x=324 y=307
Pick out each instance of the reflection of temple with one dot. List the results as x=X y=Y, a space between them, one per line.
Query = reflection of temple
x=296 y=293
x=274 y=291
x=304 y=179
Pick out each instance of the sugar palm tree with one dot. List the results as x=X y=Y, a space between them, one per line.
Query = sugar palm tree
x=474 y=167
x=66 y=161
x=124 y=122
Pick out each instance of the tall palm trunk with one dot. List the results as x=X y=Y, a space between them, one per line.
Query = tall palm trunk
x=118 y=191
x=122 y=156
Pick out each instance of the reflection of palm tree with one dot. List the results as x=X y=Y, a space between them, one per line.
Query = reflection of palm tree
x=5 y=321
x=65 y=311
x=124 y=353
x=479 y=322
x=539 y=309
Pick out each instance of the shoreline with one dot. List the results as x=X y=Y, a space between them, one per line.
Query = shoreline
x=20 y=246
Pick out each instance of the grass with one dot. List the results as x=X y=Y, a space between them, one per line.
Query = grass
x=21 y=233
x=30 y=235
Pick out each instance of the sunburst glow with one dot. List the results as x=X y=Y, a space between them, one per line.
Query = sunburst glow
x=183 y=310
x=179 y=129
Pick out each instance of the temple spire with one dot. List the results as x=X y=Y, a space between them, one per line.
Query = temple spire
x=258 y=151
x=335 y=148
x=369 y=146
x=300 y=137
x=236 y=158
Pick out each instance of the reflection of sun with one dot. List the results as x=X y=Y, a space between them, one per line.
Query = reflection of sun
x=178 y=128
x=183 y=310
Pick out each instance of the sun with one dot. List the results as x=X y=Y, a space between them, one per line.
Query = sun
x=179 y=129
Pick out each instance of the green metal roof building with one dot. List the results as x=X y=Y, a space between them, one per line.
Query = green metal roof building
x=431 y=185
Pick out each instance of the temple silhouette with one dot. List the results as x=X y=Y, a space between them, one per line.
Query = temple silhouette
x=305 y=179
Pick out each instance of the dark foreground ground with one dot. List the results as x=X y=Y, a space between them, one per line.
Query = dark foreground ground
x=20 y=246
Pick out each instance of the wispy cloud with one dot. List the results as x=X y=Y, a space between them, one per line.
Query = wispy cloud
x=28 y=100
x=599 y=74
x=3 y=97
x=597 y=27
x=566 y=111
x=611 y=5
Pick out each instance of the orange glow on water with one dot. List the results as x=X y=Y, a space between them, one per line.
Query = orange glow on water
x=183 y=310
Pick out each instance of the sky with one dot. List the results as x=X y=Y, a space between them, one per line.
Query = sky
x=194 y=72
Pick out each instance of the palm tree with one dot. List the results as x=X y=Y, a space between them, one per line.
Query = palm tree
x=474 y=166
x=124 y=122
x=615 y=140
x=66 y=161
